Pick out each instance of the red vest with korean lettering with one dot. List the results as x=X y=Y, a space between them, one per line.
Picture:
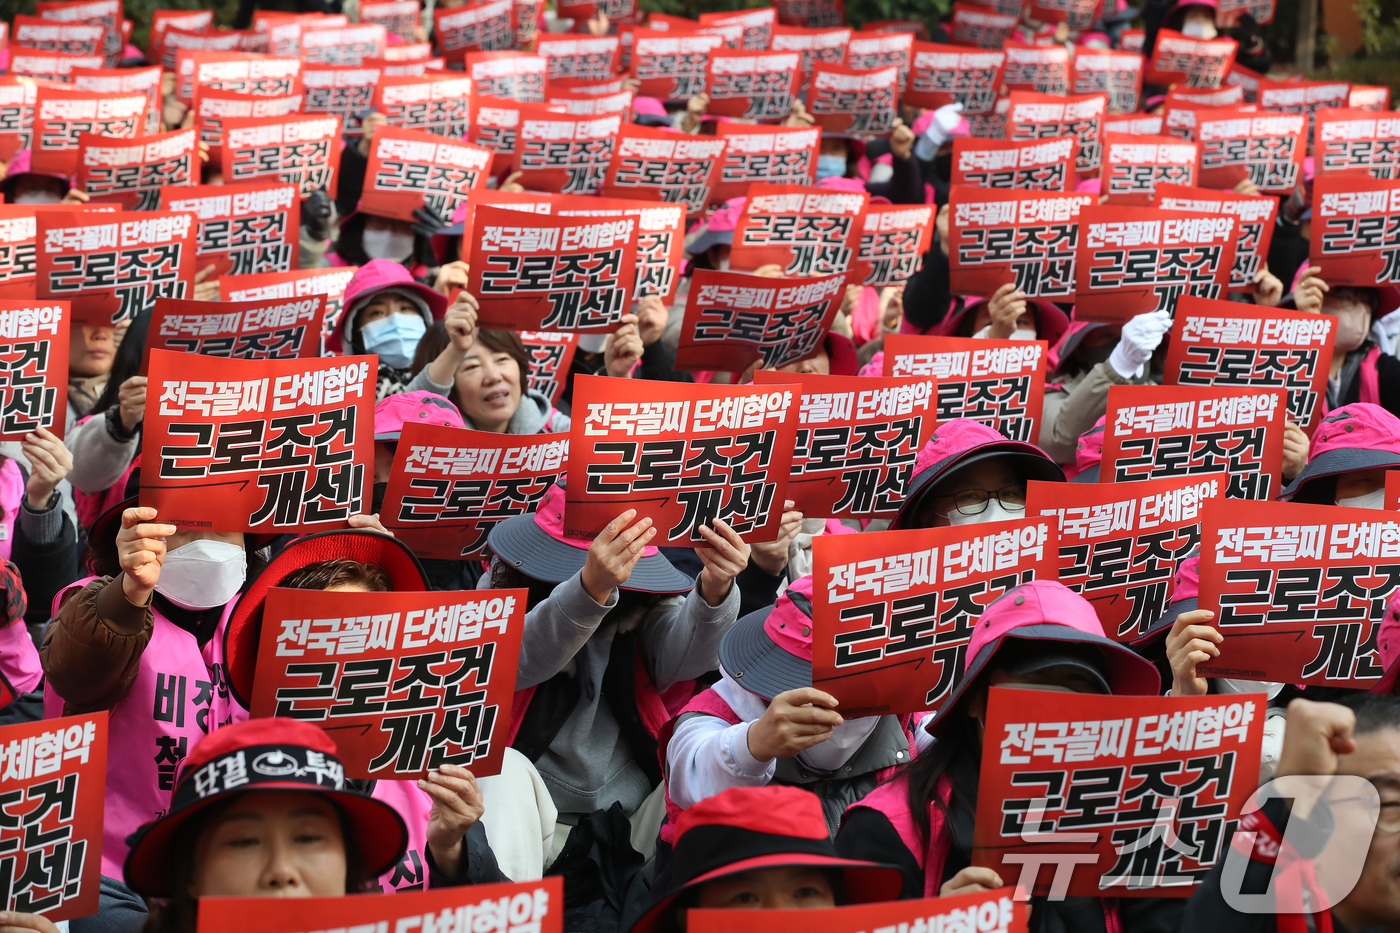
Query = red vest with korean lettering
x=180 y=694
x=411 y=873
x=11 y=498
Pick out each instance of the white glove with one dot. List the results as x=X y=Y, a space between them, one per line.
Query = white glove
x=939 y=131
x=1139 y=340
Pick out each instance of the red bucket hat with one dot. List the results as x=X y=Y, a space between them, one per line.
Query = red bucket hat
x=261 y=755
x=769 y=652
x=537 y=546
x=393 y=412
x=373 y=277
x=1359 y=436
x=752 y=828
x=1388 y=648
x=244 y=627
x=1062 y=629
x=961 y=443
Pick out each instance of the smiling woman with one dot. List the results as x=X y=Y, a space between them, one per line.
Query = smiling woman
x=491 y=387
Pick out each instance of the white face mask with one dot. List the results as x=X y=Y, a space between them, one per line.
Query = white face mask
x=37 y=197
x=1372 y=500
x=994 y=512
x=1199 y=29
x=387 y=244
x=1227 y=685
x=202 y=574
x=846 y=739
x=1023 y=333
x=1353 y=323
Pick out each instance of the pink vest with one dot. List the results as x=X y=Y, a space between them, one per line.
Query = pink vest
x=411 y=873
x=180 y=694
x=90 y=506
x=20 y=670
x=11 y=498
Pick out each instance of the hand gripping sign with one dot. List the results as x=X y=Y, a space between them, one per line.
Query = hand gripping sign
x=1298 y=591
x=982 y=912
x=33 y=361
x=999 y=237
x=1043 y=69
x=449 y=487
x=551 y=355
x=1226 y=343
x=532 y=272
x=432 y=675
x=1120 y=543
x=1032 y=165
x=1356 y=230
x=856 y=441
x=111 y=266
x=892 y=611
x=133 y=172
x=1115 y=73
x=893 y=240
x=851 y=100
x=806 y=231
x=62 y=115
x=564 y=153
x=241 y=229
x=671 y=66
x=687 y=455
x=769 y=154
x=297 y=283
x=1046 y=116
x=276 y=329
x=1134 y=166
x=1189 y=431
x=278 y=446
x=1180 y=59
x=409 y=170
x=1346 y=139
x=1000 y=383
x=54 y=772
x=433 y=103
x=1130 y=260
x=734 y=320
x=299 y=150
x=1256 y=216
x=655 y=164
x=951 y=74
x=753 y=85
x=1266 y=148
x=1134 y=799
x=524 y=907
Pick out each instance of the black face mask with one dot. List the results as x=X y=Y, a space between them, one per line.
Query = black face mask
x=943 y=166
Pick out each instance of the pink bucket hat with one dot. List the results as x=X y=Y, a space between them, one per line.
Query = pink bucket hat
x=648 y=111
x=1388 y=648
x=1088 y=453
x=21 y=164
x=716 y=229
x=1186 y=588
x=391 y=414
x=376 y=276
x=960 y=443
x=769 y=651
x=1359 y=436
x=1043 y=624
x=536 y=546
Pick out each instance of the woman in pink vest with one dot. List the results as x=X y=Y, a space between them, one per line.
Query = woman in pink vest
x=1038 y=636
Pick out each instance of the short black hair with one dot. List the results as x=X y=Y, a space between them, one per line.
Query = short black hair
x=1374 y=711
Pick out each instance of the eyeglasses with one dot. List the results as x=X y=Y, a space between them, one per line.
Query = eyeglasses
x=974 y=501
x=1388 y=820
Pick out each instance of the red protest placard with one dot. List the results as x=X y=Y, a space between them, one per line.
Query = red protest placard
x=998 y=237
x=1079 y=15
x=656 y=164
x=811 y=12
x=1180 y=59
x=985 y=910
x=409 y=170
x=1145 y=125
x=1226 y=343
x=276 y=446
x=1000 y=383
x=758 y=25
x=106 y=12
x=297 y=283
x=563 y=153
x=806 y=231
x=977 y=26
x=946 y=74
x=211 y=108
x=449 y=486
x=1265 y=148
x=893 y=240
x=1187 y=431
x=52 y=66
x=1356 y=220
x=1115 y=73
x=178 y=42
x=1230 y=11
x=892 y=611
x=1255 y=213
x=660 y=238
x=587 y=103
x=1032 y=165
x=33 y=363
x=671 y=66
x=752 y=85
x=1231 y=95
x=124 y=81
x=1040 y=68
x=1120 y=543
x=1045 y=116
x=551 y=355
x=1134 y=166
x=111 y=266
x=1298 y=591
x=17 y=265
x=1369 y=97
x=299 y=150
x=1348 y=139
x=433 y=103
x=17 y=97
x=868 y=51
x=515 y=76
x=857 y=438
x=134 y=172
x=441 y=664
x=776 y=155
x=1240 y=76
x=398 y=17
x=734 y=320
x=532 y=272
x=1306 y=97
x=55 y=776
x=1142 y=804
x=45 y=35
x=344 y=90
x=342 y=45
x=241 y=229
x=825 y=46
x=161 y=20
x=852 y=100
x=586 y=58
x=663 y=457
x=537 y=906
x=275 y=329
x=1130 y=260
x=476 y=27
x=61 y=116
x=240 y=72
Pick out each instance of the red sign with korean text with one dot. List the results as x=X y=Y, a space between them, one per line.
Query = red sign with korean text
x=1369 y=97
x=240 y=72
x=1230 y=11
x=17 y=97
x=586 y=58
x=161 y=20
x=62 y=115
x=671 y=66
x=134 y=172
x=1045 y=116
x=851 y=100
x=1356 y=230
x=410 y=171
x=298 y=150
x=1349 y=139
x=241 y=229
x=124 y=81
x=106 y=12
x=52 y=66
x=857 y=439
x=178 y=42
x=1231 y=95
x=752 y=85
x=515 y=76
x=18 y=230
x=660 y=238
x=1139 y=805
x=1180 y=59
x=1032 y=165
x=343 y=90
x=210 y=108
x=1255 y=213
x=1145 y=125
x=37 y=34
x=277 y=329
x=868 y=51
x=1266 y=148
x=980 y=27
x=398 y=17
x=1000 y=383
x=805 y=231
x=1134 y=166
x=1040 y=68
x=1306 y=97
x=449 y=486
x=817 y=46
x=734 y=320
x=685 y=456
x=656 y=164
x=1079 y=15
x=476 y=27
x=893 y=240
x=946 y=74
x=892 y=611
x=33 y=368
x=55 y=773
x=560 y=153
x=811 y=12
x=1115 y=73
x=983 y=912
x=275 y=446
x=297 y=283
x=757 y=24
x=433 y=103
x=551 y=355
x=1187 y=431
x=342 y=45
x=773 y=155
x=1027 y=237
